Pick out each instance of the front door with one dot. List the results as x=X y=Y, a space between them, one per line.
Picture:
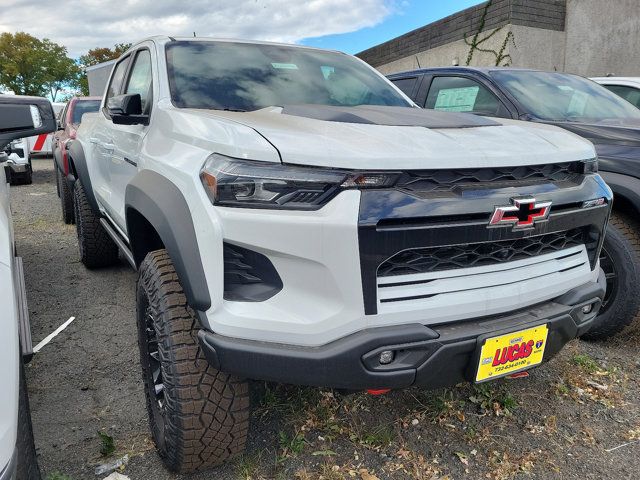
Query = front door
x=127 y=139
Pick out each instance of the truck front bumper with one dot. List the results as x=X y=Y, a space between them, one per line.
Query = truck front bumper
x=431 y=357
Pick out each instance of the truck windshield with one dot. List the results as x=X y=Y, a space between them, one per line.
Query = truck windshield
x=563 y=97
x=240 y=76
x=84 y=106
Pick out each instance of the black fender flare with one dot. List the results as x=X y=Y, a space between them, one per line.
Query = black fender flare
x=625 y=186
x=162 y=204
x=57 y=159
x=78 y=164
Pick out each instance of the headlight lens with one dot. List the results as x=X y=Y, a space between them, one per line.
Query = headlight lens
x=590 y=166
x=234 y=182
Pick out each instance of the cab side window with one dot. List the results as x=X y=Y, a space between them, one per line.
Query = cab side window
x=460 y=94
x=62 y=116
x=630 y=94
x=407 y=85
x=116 y=79
x=140 y=79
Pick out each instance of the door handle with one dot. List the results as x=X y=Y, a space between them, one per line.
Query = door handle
x=94 y=140
x=109 y=146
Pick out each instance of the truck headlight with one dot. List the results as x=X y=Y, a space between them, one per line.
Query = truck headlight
x=233 y=182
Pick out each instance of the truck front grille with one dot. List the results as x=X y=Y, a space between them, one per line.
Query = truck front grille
x=425 y=260
x=487 y=288
x=428 y=181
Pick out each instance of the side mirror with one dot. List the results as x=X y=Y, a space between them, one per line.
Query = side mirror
x=127 y=110
x=22 y=116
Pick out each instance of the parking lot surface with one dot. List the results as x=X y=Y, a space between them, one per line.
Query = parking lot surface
x=577 y=416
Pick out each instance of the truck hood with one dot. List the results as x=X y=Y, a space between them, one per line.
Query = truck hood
x=379 y=138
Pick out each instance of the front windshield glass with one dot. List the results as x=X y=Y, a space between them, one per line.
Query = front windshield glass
x=240 y=76
x=562 y=97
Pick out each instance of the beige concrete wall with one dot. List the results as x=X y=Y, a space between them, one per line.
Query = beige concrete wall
x=603 y=36
x=600 y=37
x=446 y=55
x=537 y=48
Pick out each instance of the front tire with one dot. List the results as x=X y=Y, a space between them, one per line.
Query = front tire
x=97 y=249
x=620 y=260
x=27 y=463
x=199 y=416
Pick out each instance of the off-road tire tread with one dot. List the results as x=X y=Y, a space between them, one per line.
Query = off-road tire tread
x=621 y=317
x=206 y=411
x=27 y=463
x=97 y=249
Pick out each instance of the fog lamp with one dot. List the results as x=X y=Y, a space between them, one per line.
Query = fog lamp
x=386 y=357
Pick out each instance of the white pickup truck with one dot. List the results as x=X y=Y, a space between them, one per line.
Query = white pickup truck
x=295 y=218
x=19 y=117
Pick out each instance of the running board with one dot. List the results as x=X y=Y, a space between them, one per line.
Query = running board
x=124 y=248
x=24 y=326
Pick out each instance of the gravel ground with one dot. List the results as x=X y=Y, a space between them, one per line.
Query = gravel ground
x=564 y=421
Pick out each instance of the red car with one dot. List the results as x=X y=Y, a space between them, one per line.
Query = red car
x=68 y=123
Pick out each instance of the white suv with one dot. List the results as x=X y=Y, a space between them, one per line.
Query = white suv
x=294 y=217
x=19 y=117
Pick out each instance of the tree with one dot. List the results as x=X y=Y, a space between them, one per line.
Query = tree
x=30 y=66
x=62 y=70
x=96 y=56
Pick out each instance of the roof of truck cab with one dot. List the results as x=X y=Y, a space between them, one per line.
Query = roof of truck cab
x=164 y=39
x=483 y=70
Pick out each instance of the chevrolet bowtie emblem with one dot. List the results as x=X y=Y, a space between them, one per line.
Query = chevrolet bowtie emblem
x=521 y=214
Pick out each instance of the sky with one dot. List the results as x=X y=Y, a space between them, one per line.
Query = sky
x=347 y=25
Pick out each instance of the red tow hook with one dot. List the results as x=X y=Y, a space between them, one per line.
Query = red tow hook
x=380 y=391
x=513 y=376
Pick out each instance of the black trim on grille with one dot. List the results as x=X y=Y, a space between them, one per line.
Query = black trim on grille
x=427 y=182
x=450 y=257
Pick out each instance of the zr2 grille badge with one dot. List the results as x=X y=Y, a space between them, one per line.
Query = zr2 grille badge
x=523 y=213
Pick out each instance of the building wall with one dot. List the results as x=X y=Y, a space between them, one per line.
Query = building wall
x=537 y=48
x=586 y=37
x=454 y=53
x=603 y=36
x=442 y=41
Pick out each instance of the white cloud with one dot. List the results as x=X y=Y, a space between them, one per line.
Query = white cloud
x=84 y=24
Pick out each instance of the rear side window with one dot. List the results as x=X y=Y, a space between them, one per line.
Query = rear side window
x=84 y=106
x=630 y=94
x=140 y=78
x=459 y=94
x=407 y=85
x=117 y=78
x=62 y=116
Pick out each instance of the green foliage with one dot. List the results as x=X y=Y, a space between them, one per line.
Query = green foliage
x=290 y=445
x=58 y=476
x=494 y=397
x=30 y=66
x=378 y=437
x=587 y=363
x=107 y=444
x=474 y=42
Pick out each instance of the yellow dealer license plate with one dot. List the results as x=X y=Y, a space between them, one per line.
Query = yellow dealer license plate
x=511 y=353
